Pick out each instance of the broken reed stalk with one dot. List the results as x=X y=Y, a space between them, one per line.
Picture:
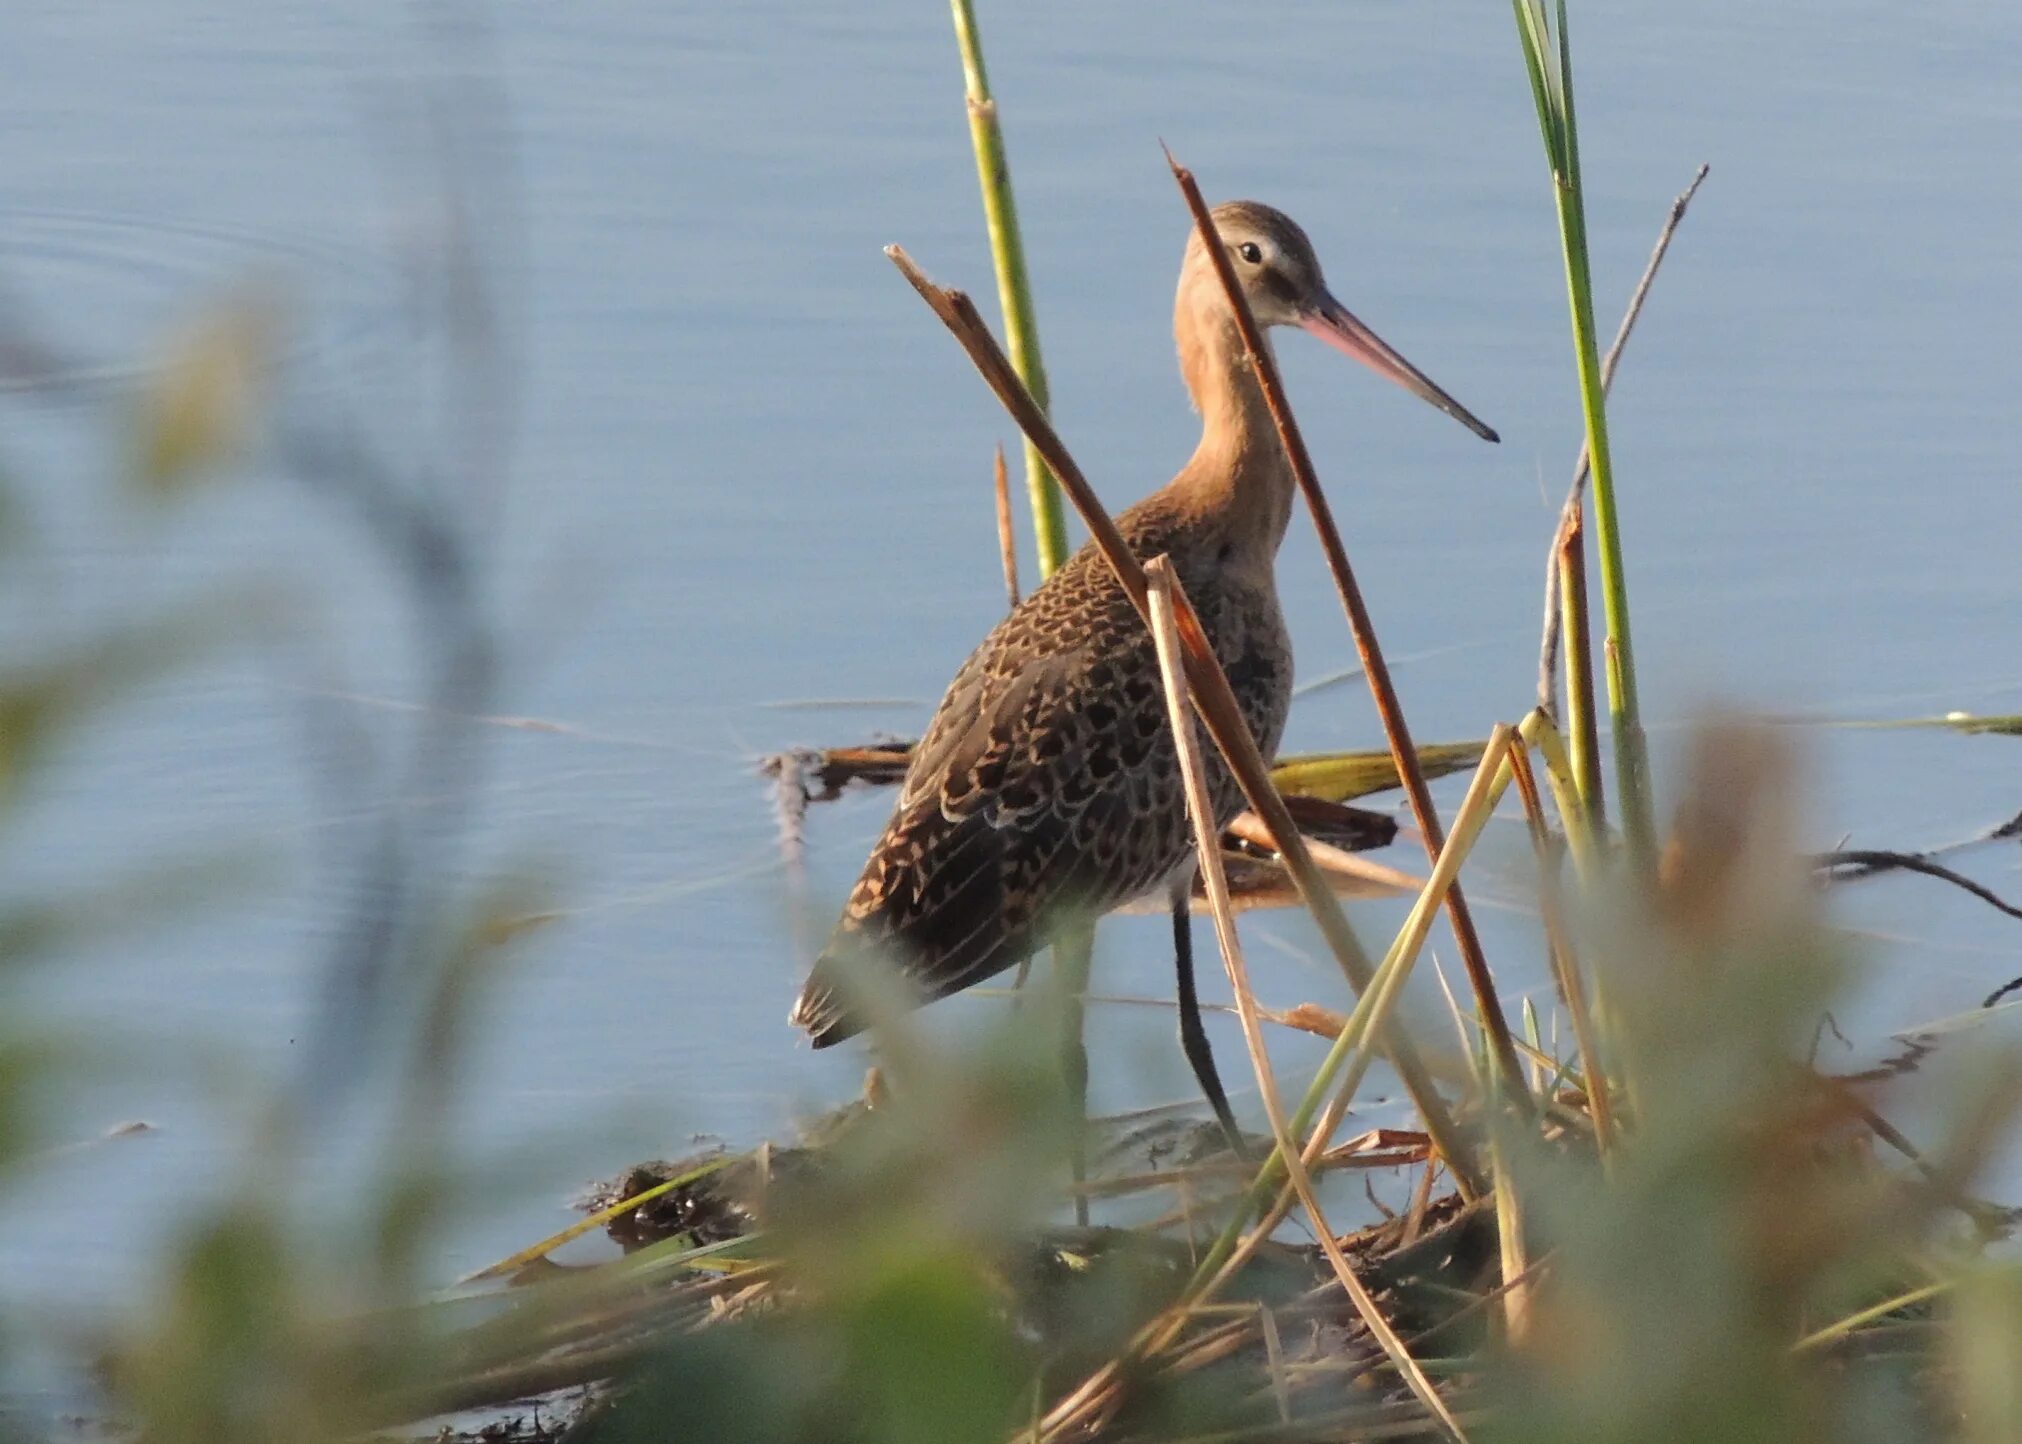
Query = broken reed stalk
x=1348 y=1057
x=1548 y=60
x=1558 y=943
x=1251 y=829
x=1164 y=588
x=1014 y=287
x=1491 y=779
x=1374 y=668
x=1568 y=567
x=1583 y=726
x=1213 y=696
x=1007 y=539
x=1582 y=842
x=1233 y=1247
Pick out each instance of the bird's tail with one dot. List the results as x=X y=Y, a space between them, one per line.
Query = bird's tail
x=820 y=1011
x=868 y=975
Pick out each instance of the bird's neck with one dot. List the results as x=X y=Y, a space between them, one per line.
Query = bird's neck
x=1238 y=477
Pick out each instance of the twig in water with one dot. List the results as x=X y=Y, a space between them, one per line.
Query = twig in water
x=1847 y=865
x=1860 y=862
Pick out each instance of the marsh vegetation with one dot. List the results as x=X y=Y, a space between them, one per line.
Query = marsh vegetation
x=1641 y=1204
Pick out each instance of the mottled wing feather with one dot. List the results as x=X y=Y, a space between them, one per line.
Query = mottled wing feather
x=1046 y=783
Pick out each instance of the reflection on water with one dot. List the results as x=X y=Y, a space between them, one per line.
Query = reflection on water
x=752 y=470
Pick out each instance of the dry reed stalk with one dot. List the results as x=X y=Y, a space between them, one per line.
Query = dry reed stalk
x=1252 y=829
x=1211 y=1346
x=1484 y=791
x=1509 y=1233
x=1370 y=651
x=1582 y=703
x=1565 y=968
x=1421 y=1200
x=1538 y=731
x=1212 y=694
x=1007 y=540
x=1466 y=1311
x=1491 y=778
x=1165 y=593
x=1395 y=1158
x=1274 y=1359
x=1234 y=1248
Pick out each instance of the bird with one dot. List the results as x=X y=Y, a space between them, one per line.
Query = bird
x=1047 y=789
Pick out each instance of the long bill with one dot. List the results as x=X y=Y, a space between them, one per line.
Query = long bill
x=1335 y=324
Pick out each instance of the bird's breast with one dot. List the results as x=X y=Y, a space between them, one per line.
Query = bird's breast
x=1248 y=630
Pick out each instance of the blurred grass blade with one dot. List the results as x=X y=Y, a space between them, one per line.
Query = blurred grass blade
x=197 y=411
x=147 y=896
x=45 y=699
x=1986 y=1348
x=1840 y=1328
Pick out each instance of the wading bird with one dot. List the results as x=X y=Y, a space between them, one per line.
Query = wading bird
x=1047 y=789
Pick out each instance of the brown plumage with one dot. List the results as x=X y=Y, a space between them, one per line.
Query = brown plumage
x=1046 y=787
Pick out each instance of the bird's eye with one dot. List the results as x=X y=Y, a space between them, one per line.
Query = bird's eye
x=1251 y=252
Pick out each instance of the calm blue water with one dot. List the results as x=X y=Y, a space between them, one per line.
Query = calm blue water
x=750 y=469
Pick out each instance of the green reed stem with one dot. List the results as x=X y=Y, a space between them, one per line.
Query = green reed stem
x=1548 y=59
x=1014 y=288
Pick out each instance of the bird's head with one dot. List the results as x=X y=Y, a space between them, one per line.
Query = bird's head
x=1280 y=276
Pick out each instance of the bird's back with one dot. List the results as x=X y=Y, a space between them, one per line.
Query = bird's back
x=1047 y=785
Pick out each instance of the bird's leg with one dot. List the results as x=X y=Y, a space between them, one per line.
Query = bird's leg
x=1073 y=954
x=1193 y=1036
